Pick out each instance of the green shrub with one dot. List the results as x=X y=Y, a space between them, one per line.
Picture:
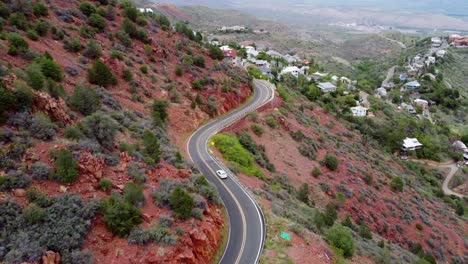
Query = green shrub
x=39 y=198
x=85 y=100
x=144 y=69
x=93 y=50
x=17 y=44
x=87 y=8
x=7 y=101
x=4 y=11
x=66 y=169
x=364 y=231
x=50 y=68
x=199 y=61
x=101 y=128
x=341 y=238
x=40 y=171
x=179 y=71
x=419 y=226
x=19 y=20
x=24 y=96
x=120 y=216
x=152 y=147
x=13 y=180
x=35 y=77
x=159 y=112
x=73 y=133
x=42 y=27
x=271 y=121
x=257 y=129
x=42 y=127
x=105 y=184
x=74 y=45
x=215 y=52
x=39 y=9
x=115 y=54
x=330 y=161
x=133 y=194
x=316 y=172
x=303 y=193
x=348 y=222
x=127 y=75
x=397 y=184
x=54 y=89
x=34 y=214
x=97 y=21
x=181 y=202
x=100 y=74
x=32 y=35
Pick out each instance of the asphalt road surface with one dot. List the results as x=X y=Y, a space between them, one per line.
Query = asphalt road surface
x=247 y=228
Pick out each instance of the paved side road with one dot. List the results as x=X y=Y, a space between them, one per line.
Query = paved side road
x=247 y=228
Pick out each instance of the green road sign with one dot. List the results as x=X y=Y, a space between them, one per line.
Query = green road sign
x=286 y=236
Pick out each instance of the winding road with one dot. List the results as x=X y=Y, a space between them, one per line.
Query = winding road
x=247 y=229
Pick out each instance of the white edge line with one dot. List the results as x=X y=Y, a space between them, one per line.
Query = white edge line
x=236 y=180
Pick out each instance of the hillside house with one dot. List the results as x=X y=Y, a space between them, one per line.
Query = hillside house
x=359 y=111
x=436 y=42
x=293 y=70
x=430 y=60
x=327 y=87
x=421 y=102
x=441 y=53
x=291 y=59
x=459 y=146
x=414 y=85
x=382 y=92
x=408 y=108
x=403 y=77
x=411 y=144
x=225 y=48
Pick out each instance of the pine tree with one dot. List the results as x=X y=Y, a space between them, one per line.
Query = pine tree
x=100 y=74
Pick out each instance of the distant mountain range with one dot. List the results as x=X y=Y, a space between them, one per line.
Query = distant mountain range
x=425 y=14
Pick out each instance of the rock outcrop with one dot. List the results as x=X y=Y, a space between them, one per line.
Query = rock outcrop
x=90 y=166
x=55 y=108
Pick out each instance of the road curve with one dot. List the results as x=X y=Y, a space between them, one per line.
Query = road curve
x=445 y=186
x=247 y=228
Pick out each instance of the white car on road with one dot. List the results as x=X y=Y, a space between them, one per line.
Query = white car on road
x=222 y=174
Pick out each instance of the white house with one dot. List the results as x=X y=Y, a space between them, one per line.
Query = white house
x=441 y=53
x=293 y=70
x=381 y=92
x=414 y=85
x=436 y=42
x=421 y=102
x=411 y=144
x=226 y=48
x=430 y=60
x=327 y=87
x=145 y=10
x=252 y=54
x=359 y=111
x=291 y=59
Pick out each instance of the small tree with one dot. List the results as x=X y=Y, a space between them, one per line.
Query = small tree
x=159 y=112
x=181 y=202
x=85 y=100
x=364 y=231
x=120 y=216
x=152 y=148
x=216 y=53
x=179 y=71
x=397 y=184
x=50 y=68
x=66 y=169
x=17 y=44
x=100 y=74
x=341 y=238
x=303 y=193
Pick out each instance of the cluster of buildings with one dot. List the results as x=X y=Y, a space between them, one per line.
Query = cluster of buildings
x=232 y=28
x=458 y=41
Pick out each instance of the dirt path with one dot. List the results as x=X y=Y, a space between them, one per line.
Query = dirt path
x=396 y=41
x=453 y=169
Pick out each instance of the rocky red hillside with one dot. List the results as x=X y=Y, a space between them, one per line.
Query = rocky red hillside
x=94 y=98
x=300 y=145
